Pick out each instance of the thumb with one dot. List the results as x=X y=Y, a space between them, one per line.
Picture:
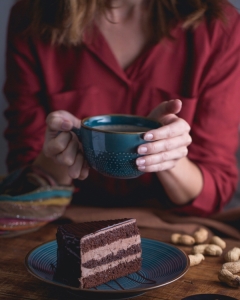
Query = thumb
x=61 y=121
x=165 y=108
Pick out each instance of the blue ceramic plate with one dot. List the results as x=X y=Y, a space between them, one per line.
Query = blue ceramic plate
x=162 y=264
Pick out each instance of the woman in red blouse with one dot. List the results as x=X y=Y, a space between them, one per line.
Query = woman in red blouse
x=69 y=59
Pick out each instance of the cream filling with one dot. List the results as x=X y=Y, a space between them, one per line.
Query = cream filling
x=88 y=272
x=112 y=248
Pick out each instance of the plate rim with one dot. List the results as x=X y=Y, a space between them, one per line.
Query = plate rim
x=131 y=291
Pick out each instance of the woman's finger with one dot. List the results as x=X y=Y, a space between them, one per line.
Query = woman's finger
x=167 y=107
x=165 y=144
x=57 y=144
x=84 y=171
x=62 y=120
x=149 y=160
x=175 y=127
x=166 y=165
x=74 y=171
x=67 y=157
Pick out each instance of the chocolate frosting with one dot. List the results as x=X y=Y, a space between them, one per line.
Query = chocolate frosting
x=78 y=230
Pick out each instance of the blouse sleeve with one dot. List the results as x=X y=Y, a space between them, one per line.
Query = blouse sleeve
x=216 y=122
x=25 y=113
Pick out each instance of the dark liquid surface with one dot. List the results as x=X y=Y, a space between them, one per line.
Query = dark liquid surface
x=123 y=128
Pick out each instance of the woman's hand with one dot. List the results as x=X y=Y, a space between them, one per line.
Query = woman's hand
x=168 y=143
x=63 y=146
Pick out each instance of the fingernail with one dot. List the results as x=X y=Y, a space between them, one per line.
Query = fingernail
x=148 y=136
x=142 y=150
x=66 y=126
x=141 y=168
x=140 y=161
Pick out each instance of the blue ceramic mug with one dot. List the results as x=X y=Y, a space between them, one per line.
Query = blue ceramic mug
x=110 y=143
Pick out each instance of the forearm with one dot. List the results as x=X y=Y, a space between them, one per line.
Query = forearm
x=182 y=183
x=57 y=171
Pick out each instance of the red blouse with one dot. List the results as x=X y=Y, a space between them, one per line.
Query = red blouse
x=200 y=67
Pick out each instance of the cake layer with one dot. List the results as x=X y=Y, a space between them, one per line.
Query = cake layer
x=109 y=235
x=134 y=249
x=124 y=260
x=112 y=273
x=110 y=249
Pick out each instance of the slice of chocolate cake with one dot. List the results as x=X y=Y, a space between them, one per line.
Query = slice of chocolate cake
x=97 y=252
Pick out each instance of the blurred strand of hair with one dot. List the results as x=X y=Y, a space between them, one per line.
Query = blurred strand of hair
x=64 y=22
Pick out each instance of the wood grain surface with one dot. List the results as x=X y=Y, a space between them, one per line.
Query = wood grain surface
x=17 y=283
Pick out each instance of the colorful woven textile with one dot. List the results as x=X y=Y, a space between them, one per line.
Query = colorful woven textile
x=29 y=198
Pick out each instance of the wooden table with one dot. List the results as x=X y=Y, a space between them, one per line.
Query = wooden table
x=17 y=284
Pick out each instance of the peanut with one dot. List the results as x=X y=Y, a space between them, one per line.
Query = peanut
x=230 y=268
x=207 y=249
x=233 y=255
x=216 y=240
x=183 y=239
x=233 y=267
x=195 y=259
x=200 y=235
x=227 y=277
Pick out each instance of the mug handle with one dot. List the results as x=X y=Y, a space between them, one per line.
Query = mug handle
x=77 y=131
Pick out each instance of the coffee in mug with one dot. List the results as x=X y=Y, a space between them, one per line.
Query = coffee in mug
x=123 y=128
